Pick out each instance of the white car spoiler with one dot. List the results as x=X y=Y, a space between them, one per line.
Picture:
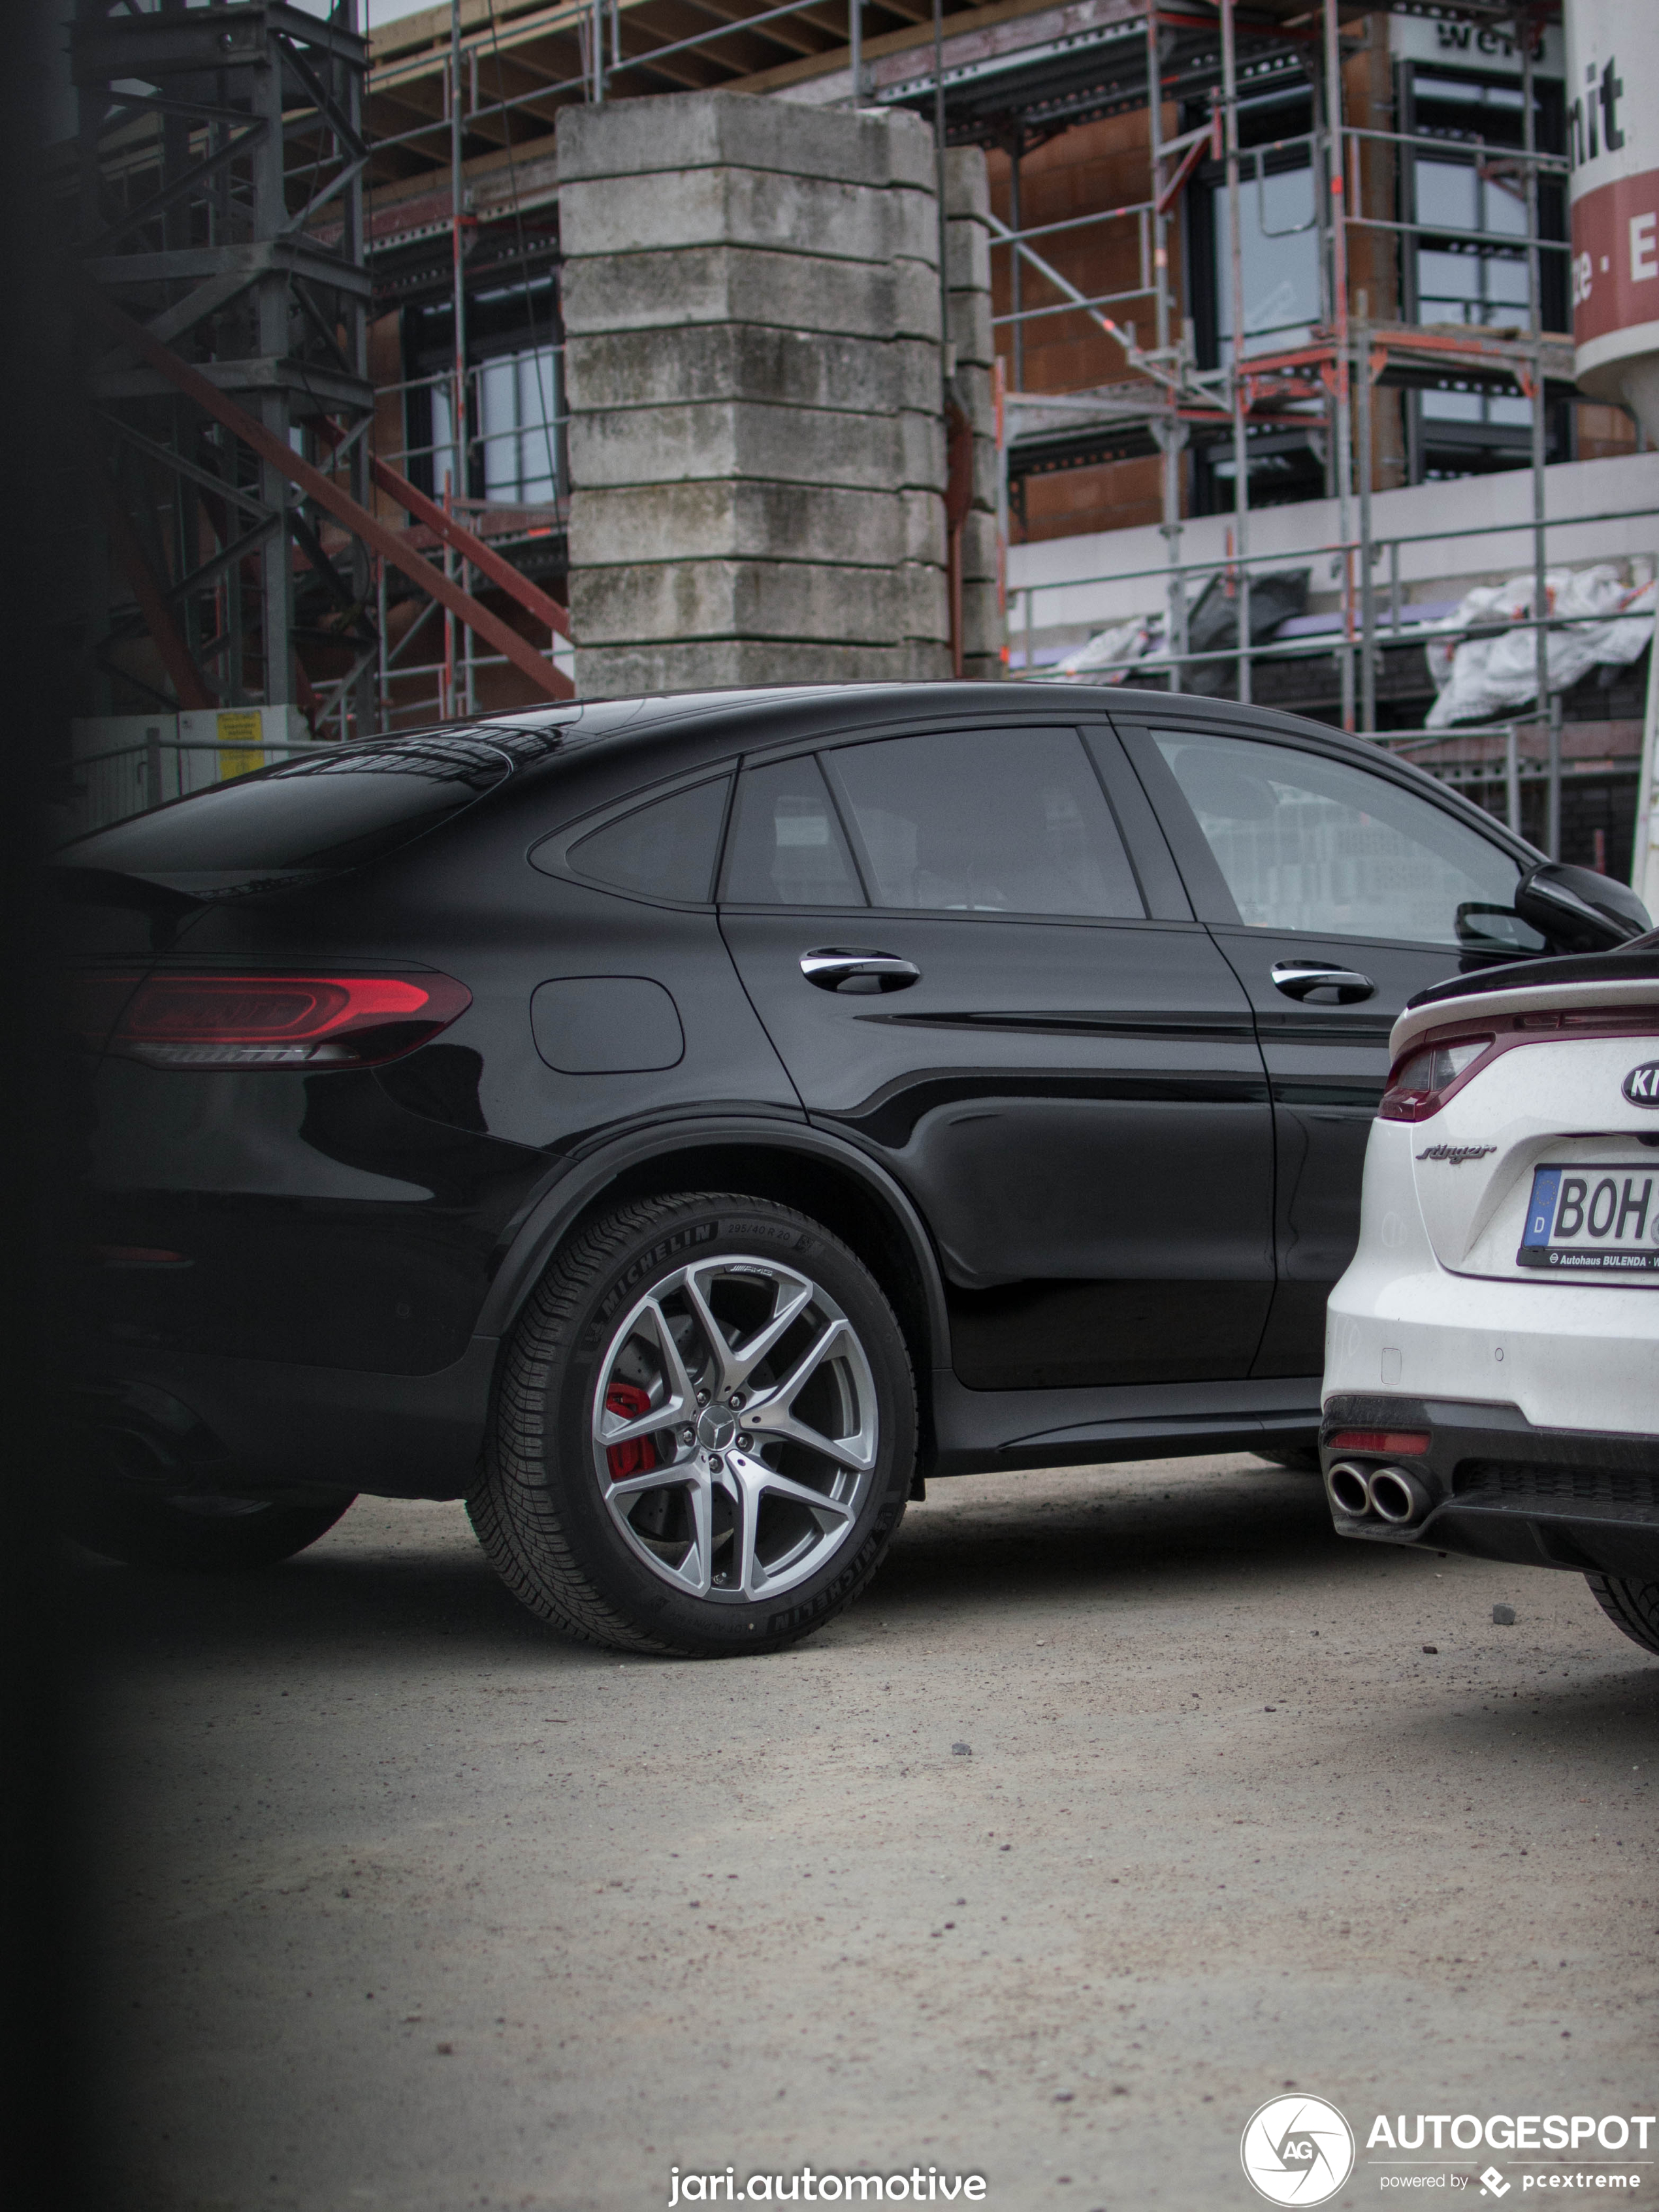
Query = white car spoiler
x=1632 y=994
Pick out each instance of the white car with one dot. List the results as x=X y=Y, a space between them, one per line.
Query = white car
x=1491 y=1355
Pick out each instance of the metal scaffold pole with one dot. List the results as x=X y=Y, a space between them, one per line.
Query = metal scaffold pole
x=1016 y=265
x=1368 y=647
x=1235 y=252
x=275 y=405
x=1341 y=439
x=1540 y=449
x=1172 y=432
x=458 y=490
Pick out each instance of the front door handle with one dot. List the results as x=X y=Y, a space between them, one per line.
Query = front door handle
x=1296 y=978
x=833 y=968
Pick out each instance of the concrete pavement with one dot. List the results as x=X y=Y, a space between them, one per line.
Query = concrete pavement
x=400 y=1902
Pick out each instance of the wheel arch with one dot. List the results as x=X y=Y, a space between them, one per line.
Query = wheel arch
x=793 y=1164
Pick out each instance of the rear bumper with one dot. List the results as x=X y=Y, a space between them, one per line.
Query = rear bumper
x=1571 y=1355
x=270 y=1427
x=1581 y=1499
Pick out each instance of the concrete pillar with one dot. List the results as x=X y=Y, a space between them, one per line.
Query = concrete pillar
x=751 y=311
x=968 y=247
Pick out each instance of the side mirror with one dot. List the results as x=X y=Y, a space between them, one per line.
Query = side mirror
x=1578 y=910
x=1484 y=928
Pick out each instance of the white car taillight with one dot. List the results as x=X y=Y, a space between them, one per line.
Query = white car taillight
x=1422 y=1082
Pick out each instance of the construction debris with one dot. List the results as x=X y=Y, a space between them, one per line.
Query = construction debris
x=1495 y=669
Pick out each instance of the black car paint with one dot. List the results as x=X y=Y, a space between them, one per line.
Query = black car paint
x=360 y=1243
x=1029 y=1054
x=1325 y=1062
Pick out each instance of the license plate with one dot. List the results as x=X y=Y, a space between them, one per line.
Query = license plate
x=1597 y=1218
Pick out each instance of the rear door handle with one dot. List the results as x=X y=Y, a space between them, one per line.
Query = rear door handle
x=1296 y=978
x=833 y=968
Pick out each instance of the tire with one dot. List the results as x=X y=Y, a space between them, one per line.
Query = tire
x=1633 y=1606
x=199 y=1535
x=750 y=1537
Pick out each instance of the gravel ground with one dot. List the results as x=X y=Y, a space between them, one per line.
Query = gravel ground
x=1127 y=1796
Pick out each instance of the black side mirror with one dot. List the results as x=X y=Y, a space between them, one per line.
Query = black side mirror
x=1483 y=928
x=1578 y=910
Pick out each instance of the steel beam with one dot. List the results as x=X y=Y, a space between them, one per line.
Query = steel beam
x=282 y=461
x=184 y=675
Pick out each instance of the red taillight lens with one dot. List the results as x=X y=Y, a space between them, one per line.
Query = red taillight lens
x=1389 y=1444
x=283 y=1021
x=1421 y=1083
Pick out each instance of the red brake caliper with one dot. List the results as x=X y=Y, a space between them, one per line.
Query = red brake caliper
x=638 y=1454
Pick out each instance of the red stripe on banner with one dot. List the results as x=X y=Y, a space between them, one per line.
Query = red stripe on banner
x=1615 y=257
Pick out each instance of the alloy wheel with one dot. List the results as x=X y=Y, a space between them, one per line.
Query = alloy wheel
x=735 y=1430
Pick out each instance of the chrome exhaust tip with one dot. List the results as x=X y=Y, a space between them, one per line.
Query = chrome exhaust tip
x=1398 y=1498
x=1348 y=1491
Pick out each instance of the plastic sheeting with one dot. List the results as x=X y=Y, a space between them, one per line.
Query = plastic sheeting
x=1212 y=627
x=1135 y=640
x=1276 y=597
x=1488 y=675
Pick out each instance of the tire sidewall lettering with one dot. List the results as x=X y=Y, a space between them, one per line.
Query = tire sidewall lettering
x=657 y=1255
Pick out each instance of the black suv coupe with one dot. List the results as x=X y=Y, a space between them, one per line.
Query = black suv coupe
x=681 y=1126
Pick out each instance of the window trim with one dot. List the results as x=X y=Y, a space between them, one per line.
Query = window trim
x=1163 y=893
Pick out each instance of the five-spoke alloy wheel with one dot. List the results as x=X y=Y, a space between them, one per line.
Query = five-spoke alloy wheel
x=706 y=1431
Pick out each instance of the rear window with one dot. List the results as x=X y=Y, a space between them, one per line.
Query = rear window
x=310 y=818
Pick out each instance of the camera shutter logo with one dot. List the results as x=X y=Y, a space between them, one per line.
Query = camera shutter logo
x=1297 y=2150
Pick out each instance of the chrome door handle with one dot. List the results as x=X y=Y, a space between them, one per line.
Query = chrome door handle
x=835 y=970
x=1296 y=978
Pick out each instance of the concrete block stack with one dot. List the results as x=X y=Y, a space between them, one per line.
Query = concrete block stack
x=751 y=310
x=968 y=264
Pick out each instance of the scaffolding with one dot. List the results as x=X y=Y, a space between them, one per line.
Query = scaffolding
x=1347 y=357
x=242 y=512
x=450 y=135
x=495 y=81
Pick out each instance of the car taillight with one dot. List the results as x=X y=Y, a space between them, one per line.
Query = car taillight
x=1423 y=1081
x=207 y=1021
x=1388 y=1443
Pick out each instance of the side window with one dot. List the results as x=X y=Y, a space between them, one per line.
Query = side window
x=1307 y=842
x=666 y=850
x=786 y=847
x=986 y=822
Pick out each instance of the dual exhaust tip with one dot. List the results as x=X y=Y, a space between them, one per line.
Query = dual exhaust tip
x=1382 y=1493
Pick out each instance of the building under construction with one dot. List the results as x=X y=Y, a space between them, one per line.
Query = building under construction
x=1246 y=361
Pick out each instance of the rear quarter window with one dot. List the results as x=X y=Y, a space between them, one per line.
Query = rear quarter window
x=666 y=850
